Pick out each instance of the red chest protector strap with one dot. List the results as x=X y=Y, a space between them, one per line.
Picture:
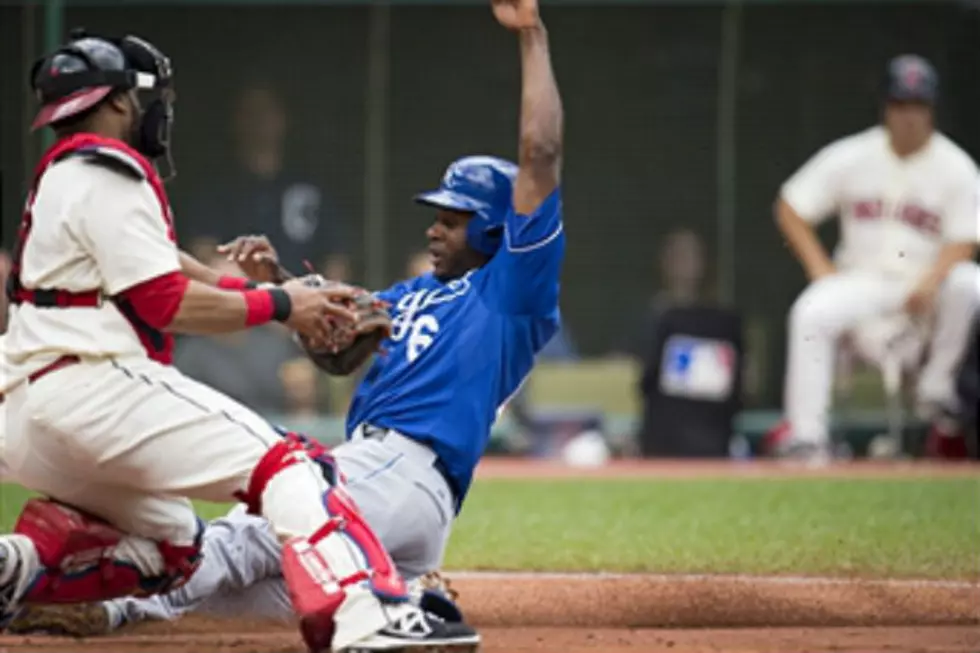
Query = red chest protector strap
x=159 y=346
x=78 y=143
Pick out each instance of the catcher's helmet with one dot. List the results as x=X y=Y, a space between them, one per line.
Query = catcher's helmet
x=483 y=186
x=911 y=78
x=85 y=71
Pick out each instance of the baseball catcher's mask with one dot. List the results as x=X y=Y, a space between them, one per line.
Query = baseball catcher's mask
x=86 y=70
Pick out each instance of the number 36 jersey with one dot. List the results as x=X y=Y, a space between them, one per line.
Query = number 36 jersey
x=460 y=348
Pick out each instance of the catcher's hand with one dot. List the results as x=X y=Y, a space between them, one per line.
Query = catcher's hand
x=349 y=345
x=319 y=313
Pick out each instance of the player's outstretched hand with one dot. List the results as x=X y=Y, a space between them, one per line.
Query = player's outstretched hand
x=317 y=312
x=256 y=256
x=516 y=14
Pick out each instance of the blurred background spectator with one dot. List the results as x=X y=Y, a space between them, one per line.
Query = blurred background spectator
x=261 y=193
x=689 y=353
x=682 y=274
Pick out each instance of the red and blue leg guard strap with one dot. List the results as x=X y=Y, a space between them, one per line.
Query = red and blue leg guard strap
x=383 y=578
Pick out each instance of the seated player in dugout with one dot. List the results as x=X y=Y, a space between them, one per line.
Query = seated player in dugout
x=463 y=336
x=906 y=196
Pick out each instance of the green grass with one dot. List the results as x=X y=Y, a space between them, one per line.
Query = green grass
x=926 y=528
x=922 y=528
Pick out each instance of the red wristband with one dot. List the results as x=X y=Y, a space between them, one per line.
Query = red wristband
x=261 y=307
x=226 y=282
x=266 y=305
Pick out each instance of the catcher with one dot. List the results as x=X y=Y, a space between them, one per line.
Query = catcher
x=460 y=341
x=101 y=424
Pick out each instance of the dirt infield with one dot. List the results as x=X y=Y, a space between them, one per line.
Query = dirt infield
x=961 y=639
x=578 y=613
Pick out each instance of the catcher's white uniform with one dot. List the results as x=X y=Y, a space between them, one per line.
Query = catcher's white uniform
x=118 y=434
x=896 y=215
x=115 y=432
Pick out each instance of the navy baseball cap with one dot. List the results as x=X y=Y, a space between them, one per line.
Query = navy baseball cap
x=911 y=78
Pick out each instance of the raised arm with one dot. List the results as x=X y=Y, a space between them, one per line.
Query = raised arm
x=526 y=270
x=541 y=119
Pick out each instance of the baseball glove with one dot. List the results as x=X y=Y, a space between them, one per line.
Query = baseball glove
x=351 y=345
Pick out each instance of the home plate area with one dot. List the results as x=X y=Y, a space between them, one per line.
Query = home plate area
x=578 y=613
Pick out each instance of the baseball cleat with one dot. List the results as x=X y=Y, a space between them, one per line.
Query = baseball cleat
x=807 y=454
x=18 y=560
x=418 y=631
x=780 y=443
x=69 y=620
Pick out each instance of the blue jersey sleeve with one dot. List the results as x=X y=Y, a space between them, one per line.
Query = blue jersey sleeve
x=524 y=274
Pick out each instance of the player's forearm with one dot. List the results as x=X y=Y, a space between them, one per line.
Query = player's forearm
x=803 y=241
x=208 y=310
x=949 y=256
x=542 y=116
x=197 y=271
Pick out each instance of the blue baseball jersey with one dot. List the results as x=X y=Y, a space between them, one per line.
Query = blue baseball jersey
x=459 y=349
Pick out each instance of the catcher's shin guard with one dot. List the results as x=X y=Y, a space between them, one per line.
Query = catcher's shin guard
x=340 y=577
x=342 y=583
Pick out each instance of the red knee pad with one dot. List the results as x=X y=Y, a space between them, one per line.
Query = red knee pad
x=81 y=557
x=320 y=454
x=280 y=456
x=284 y=454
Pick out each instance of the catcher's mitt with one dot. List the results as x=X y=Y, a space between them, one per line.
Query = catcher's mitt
x=351 y=346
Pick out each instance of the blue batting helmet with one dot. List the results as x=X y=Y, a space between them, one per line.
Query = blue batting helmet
x=483 y=186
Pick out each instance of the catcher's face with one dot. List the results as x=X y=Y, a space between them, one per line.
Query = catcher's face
x=118 y=117
x=451 y=257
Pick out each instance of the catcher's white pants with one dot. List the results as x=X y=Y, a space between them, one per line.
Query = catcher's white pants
x=129 y=440
x=836 y=304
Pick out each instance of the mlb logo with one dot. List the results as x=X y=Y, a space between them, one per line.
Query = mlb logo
x=697 y=368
